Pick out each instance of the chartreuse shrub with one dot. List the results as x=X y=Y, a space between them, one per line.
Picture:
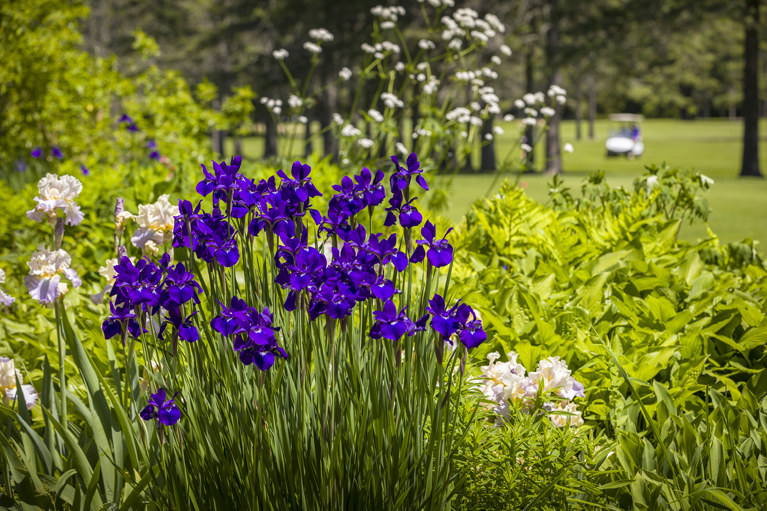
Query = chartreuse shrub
x=667 y=337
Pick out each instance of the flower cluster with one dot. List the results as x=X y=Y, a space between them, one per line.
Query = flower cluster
x=507 y=385
x=459 y=320
x=165 y=411
x=45 y=270
x=5 y=298
x=147 y=289
x=8 y=388
x=156 y=222
x=54 y=194
x=254 y=335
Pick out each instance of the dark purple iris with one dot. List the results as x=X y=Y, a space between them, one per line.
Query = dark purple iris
x=21 y=166
x=166 y=412
x=85 y=170
x=460 y=319
x=301 y=184
x=56 y=152
x=385 y=251
x=407 y=214
x=389 y=323
x=440 y=251
x=37 y=152
x=370 y=187
x=400 y=180
x=125 y=118
x=154 y=155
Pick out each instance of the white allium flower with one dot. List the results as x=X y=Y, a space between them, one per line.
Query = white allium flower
x=508 y=118
x=365 y=143
x=8 y=389
x=431 y=86
x=280 y=54
x=529 y=121
x=345 y=74
x=519 y=103
x=494 y=22
x=320 y=34
x=155 y=222
x=556 y=90
x=479 y=36
x=568 y=147
x=455 y=44
x=337 y=119
x=45 y=270
x=391 y=100
x=465 y=76
x=489 y=98
x=530 y=98
x=390 y=46
x=388 y=25
x=531 y=112
x=496 y=60
x=548 y=111
x=460 y=114
x=426 y=44
x=488 y=136
x=505 y=50
x=526 y=148
x=312 y=47
x=474 y=105
x=367 y=48
x=303 y=119
x=652 y=182
x=475 y=121
x=497 y=130
x=375 y=115
x=560 y=99
x=56 y=193
x=294 y=101
x=399 y=67
x=400 y=148
x=350 y=131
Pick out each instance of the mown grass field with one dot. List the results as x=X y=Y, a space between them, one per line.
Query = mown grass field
x=739 y=206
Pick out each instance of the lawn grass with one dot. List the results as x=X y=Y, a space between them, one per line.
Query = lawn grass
x=712 y=146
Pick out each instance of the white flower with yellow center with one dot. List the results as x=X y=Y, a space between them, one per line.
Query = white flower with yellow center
x=45 y=270
x=155 y=222
x=562 y=420
x=8 y=389
x=56 y=193
x=5 y=298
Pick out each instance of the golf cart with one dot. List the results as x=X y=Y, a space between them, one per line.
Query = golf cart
x=625 y=138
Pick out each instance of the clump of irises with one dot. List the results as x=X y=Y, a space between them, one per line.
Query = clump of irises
x=324 y=265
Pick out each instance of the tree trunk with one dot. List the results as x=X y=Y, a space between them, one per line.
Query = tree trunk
x=553 y=155
x=270 y=137
x=750 y=164
x=238 y=146
x=487 y=161
x=327 y=108
x=578 y=115
x=530 y=87
x=592 y=104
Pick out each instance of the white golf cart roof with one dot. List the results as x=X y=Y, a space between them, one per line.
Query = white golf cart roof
x=626 y=117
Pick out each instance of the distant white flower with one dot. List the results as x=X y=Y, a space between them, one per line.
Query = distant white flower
x=345 y=74
x=531 y=112
x=155 y=222
x=488 y=136
x=455 y=44
x=57 y=193
x=312 y=47
x=400 y=148
x=508 y=118
x=568 y=147
x=365 y=143
x=387 y=25
x=122 y=218
x=505 y=50
x=479 y=36
x=652 y=182
x=431 y=86
x=45 y=270
x=495 y=59
x=391 y=100
x=530 y=98
x=280 y=54
x=294 y=101
x=526 y=148
x=706 y=181
x=337 y=119
x=367 y=48
x=548 y=111
x=565 y=420
x=350 y=131
x=519 y=103
x=560 y=99
x=8 y=389
x=497 y=130
x=375 y=115
x=108 y=272
x=399 y=67
x=426 y=44
x=556 y=377
x=321 y=34
x=303 y=119
x=529 y=121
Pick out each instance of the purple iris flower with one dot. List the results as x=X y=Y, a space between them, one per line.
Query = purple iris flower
x=151 y=144
x=400 y=180
x=347 y=202
x=460 y=319
x=232 y=318
x=222 y=180
x=180 y=286
x=125 y=118
x=154 y=155
x=56 y=152
x=370 y=187
x=389 y=323
x=383 y=289
x=132 y=127
x=37 y=152
x=334 y=223
x=21 y=166
x=440 y=251
x=255 y=340
x=335 y=299
x=385 y=251
x=122 y=315
x=407 y=214
x=166 y=412
x=85 y=170
x=184 y=326
x=301 y=183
